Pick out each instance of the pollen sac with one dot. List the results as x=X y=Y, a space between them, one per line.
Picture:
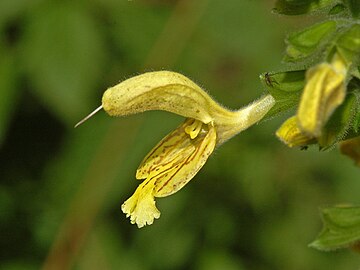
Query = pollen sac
x=178 y=157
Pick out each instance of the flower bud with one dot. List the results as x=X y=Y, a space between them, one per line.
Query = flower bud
x=324 y=91
x=290 y=134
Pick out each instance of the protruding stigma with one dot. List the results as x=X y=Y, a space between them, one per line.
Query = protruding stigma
x=87 y=117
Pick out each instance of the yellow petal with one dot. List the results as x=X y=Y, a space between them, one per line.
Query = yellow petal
x=140 y=207
x=290 y=134
x=177 y=158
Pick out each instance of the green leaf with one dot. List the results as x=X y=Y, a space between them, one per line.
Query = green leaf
x=340 y=122
x=356 y=72
x=354 y=87
x=297 y=7
x=341 y=228
x=303 y=43
x=285 y=87
x=63 y=57
x=354 y=7
x=354 y=123
x=348 y=44
x=337 y=9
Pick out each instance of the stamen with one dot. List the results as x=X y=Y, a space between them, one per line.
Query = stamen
x=194 y=128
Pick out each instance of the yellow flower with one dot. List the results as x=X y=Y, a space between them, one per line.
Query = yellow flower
x=173 y=162
x=324 y=91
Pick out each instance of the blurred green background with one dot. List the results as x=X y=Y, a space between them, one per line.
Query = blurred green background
x=255 y=203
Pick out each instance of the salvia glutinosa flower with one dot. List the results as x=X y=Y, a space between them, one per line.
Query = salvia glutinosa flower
x=175 y=160
x=324 y=91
